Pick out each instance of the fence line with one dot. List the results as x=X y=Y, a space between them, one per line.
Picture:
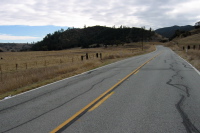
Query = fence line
x=57 y=61
x=7 y=69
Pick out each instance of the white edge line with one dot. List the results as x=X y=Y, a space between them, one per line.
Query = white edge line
x=9 y=97
x=191 y=65
x=188 y=63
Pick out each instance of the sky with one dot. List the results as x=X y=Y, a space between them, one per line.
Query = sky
x=30 y=20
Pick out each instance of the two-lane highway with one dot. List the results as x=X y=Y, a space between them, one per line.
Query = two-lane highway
x=156 y=92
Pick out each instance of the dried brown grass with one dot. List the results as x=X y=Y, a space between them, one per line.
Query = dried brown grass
x=59 y=65
x=192 y=56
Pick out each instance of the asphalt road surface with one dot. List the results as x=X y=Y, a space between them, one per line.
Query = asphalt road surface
x=154 y=93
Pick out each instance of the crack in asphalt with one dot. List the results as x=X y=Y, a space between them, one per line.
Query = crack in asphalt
x=186 y=121
x=91 y=72
x=185 y=66
x=190 y=127
x=61 y=104
x=178 y=86
x=171 y=67
x=177 y=74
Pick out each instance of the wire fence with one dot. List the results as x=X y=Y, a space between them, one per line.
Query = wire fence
x=10 y=67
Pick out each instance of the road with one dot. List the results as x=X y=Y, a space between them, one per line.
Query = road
x=152 y=93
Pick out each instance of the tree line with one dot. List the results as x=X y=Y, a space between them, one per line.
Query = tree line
x=92 y=37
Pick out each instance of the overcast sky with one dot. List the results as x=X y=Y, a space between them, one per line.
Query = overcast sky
x=77 y=13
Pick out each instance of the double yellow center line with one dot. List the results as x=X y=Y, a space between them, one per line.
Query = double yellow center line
x=96 y=102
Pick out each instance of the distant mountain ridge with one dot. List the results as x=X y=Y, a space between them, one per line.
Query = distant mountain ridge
x=14 y=47
x=169 y=31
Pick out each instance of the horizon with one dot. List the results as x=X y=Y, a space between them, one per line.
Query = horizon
x=49 y=29
x=30 y=21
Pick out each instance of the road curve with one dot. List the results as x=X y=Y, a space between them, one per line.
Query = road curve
x=155 y=92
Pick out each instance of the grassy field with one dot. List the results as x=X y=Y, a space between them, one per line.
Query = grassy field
x=23 y=71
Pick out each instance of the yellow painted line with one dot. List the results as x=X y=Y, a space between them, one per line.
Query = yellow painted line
x=98 y=98
x=136 y=72
x=100 y=102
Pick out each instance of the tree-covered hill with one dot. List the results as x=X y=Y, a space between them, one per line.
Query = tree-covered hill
x=92 y=36
x=170 y=31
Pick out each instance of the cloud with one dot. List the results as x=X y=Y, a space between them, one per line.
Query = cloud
x=11 y=37
x=77 y=13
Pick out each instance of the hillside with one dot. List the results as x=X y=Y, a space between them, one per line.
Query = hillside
x=195 y=31
x=188 y=47
x=192 y=39
x=14 y=47
x=170 y=31
x=94 y=37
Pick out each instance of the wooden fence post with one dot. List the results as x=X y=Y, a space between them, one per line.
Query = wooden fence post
x=86 y=56
x=16 y=66
x=101 y=56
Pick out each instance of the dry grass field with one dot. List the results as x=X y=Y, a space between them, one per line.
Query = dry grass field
x=23 y=71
